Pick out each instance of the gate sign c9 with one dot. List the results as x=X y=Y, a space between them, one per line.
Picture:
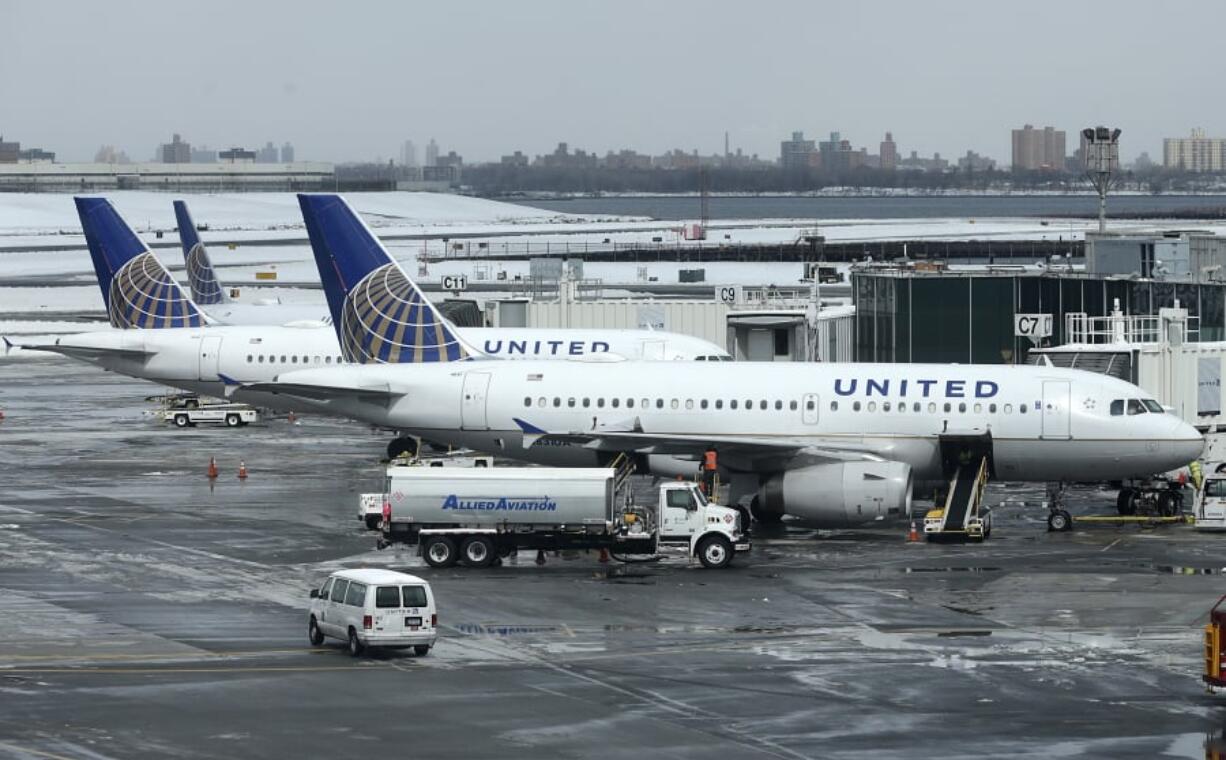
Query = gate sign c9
x=455 y=282
x=1033 y=326
x=729 y=294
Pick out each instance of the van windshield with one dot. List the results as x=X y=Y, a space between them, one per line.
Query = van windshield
x=414 y=596
x=1215 y=489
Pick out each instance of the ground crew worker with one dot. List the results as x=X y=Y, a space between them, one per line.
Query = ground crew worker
x=710 y=465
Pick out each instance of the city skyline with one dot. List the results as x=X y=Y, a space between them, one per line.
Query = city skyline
x=943 y=77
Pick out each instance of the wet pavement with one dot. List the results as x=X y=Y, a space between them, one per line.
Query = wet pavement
x=147 y=612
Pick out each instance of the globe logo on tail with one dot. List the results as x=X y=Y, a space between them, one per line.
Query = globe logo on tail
x=205 y=287
x=142 y=294
x=386 y=320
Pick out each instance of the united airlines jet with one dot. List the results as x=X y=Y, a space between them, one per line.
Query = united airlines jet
x=838 y=444
x=165 y=336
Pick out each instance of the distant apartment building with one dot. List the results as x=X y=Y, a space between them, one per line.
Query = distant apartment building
x=408 y=153
x=888 y=153
x=108 y=154
x=798 y=153
x=432 y=153
x=973 y=162
x=562 y=158
x=9 y=151
x=1038 y=149
x=203 y=155
x=1196 y=153
x=176 y=151
x=515 y=159
x=917 y=163
x=837 y=155
x=626 y=159
x=287 y=153
x=35 y=156
x=267 y=155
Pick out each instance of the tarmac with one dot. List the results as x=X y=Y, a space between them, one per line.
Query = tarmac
x=145 y=611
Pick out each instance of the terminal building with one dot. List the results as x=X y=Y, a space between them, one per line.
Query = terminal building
x=176 y=176
x=908 y=312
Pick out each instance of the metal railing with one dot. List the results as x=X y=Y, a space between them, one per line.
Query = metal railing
x=1081 y=328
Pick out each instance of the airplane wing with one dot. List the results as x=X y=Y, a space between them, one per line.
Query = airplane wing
x=320 y=394
x=82 y=352
x=741 y=452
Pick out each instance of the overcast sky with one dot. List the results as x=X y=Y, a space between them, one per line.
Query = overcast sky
x=352 y=80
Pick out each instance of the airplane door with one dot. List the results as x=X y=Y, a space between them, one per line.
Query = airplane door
x=653 y=350
x=808 y=412
x=472 y=406
x=210 y=357
x=1057 y=398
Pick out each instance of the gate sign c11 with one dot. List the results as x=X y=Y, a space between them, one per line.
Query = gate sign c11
x=1033 y=326
x=455 y=282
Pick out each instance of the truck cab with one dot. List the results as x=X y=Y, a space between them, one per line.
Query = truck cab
x=708 y=530
x=1211 y=502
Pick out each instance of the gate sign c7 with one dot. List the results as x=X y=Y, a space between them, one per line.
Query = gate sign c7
x=1033 y=326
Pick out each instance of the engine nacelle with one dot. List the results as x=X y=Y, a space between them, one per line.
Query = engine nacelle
x=840 y=494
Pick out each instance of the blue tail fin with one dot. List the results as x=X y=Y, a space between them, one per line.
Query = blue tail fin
x=206 y=289
x=137 y=289
x=379 y=314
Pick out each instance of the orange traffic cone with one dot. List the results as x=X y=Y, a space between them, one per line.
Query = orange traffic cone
x=913 y=536
x=604 y=556
x=242 y=470
x=212 y=468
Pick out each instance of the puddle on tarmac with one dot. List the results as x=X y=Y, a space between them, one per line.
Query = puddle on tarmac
x=951 y=569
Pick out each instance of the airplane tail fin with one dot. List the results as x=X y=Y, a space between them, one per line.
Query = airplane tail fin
x=206 y=288
x=138 y=291
x=379 y=314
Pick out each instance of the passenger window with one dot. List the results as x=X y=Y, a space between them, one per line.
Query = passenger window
x=659 y=403
x=306 y=360
x=702 y=404
x=855 y=407
x=557 y=401
x=793 y=405
x=762 y=405
x=600 y=403
x=646 y=403
x=249 y=358
x=587 y=402
x=1008 y=408
x=932 y=407
x=778 y=405
x=991 y=408
x=872 y=406
x=387 y=597
x=283 y=359
x=541 y=402
x=962 y=407
x=885 y=406
x=748 y=404
x=732 y=404
x=527 y=401
x=978 y=408
x=615 y=402
x=689 y=404
x=915 y=407
x=1023 y=408
x=673 y=404
x=414 y=596
x=948 y=407
x=570 y=402
x=327 y=360
x=629 y=403
x=294 y=359
x=338 y=590
x=902 y=406
x=261 y=361
x=834 y=406
x=1117 y=407
x=356 y=595
x=719 y=403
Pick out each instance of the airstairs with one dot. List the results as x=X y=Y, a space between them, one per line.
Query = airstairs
x=963 y=517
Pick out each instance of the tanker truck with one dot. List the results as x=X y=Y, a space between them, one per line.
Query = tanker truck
x=475 y=516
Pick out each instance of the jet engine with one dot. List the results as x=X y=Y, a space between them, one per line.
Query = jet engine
x=839 y=494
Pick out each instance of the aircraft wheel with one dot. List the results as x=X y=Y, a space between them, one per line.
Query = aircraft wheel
x=1126 y=503
x=1059 y=521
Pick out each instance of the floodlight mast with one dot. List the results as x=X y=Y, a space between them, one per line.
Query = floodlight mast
x=1102 y=157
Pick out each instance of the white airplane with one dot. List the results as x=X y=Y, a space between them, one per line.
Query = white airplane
x=181 y=346
x=837 y=444
x=208 y=293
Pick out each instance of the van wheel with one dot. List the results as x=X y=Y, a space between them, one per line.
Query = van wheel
x=317 y=636
x=181 y=421
x=714 y=552
x=440 y=551
x=372 y=522
x=233 y=420
x=477 y=551
x=421 y=650
x=355 y=646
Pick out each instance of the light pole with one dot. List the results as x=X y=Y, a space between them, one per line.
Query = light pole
x=1101 y=150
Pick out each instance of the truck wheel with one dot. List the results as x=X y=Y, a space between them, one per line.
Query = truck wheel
x=372 y=522
x=233 y=420
x=355 y=646
x=440 y=551
x=1059 y=521
x=403 y=445
x=317 y=636
x=421 y=650
x=181 y=421
x=477 y=551
x=714 y=552
x=1126 y=503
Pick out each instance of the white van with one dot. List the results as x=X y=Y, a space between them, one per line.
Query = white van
x=374 y=608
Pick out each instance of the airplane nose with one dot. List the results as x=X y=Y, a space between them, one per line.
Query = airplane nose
x=1187 y=442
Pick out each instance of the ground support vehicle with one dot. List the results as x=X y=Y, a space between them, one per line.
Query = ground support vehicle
x=370 y=505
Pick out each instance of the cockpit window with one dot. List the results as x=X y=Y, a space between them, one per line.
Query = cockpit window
x=1117 y=407
x=1135 y=406
x=1153 y=406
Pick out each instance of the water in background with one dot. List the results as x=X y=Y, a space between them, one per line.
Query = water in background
x=776 y=207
